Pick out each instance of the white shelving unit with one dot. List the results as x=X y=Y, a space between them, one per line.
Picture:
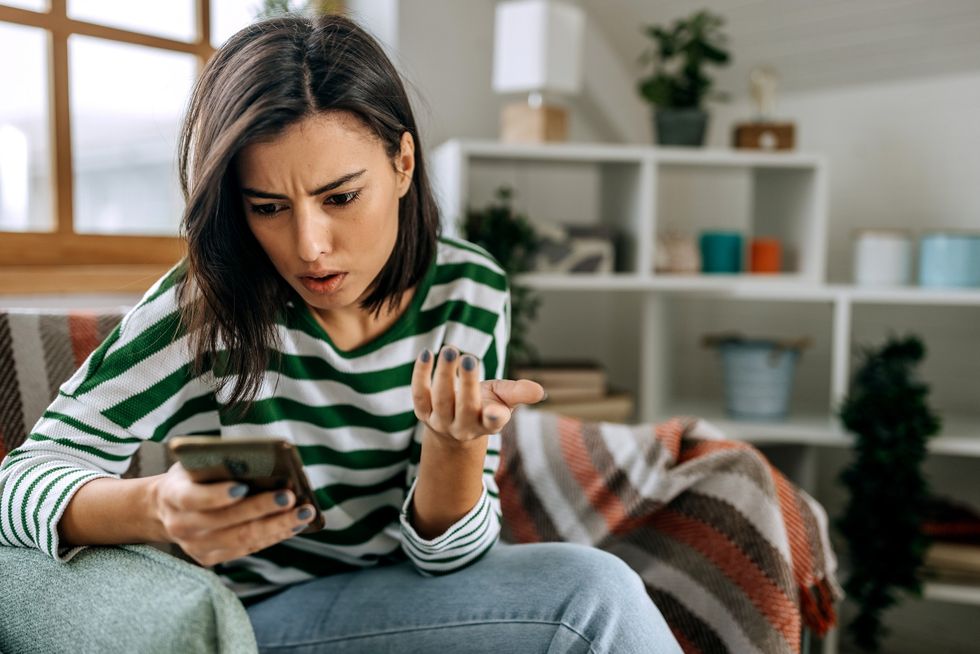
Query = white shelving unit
x=643 y=318
x=952 y=592
x=782 y=194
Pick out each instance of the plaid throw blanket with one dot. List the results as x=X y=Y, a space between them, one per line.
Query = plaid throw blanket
x=39 y=351
x=735 y=557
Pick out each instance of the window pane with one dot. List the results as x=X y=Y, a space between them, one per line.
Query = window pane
x=229 y=16
x=33 y=5
x=25 y=141
x=175 y=19
x=126 y=105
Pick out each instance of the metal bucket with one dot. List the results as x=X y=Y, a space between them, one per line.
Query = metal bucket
x=758 y=379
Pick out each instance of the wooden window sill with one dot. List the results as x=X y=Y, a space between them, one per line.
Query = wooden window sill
x=41 y=280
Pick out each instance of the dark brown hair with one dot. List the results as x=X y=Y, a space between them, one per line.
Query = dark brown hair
x=265 y=78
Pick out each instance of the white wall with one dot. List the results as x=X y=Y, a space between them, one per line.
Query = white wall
x=445 y=51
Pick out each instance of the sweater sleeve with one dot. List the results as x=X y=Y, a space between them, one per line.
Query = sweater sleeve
x=135 y=387
x=473 y=535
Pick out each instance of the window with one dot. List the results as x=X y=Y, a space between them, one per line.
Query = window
x=88 y=127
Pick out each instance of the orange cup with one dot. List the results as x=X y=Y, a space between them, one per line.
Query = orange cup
x=765 y=255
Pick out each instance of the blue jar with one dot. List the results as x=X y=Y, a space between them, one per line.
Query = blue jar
x=949 y=259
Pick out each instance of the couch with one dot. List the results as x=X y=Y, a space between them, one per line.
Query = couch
x=732 y=553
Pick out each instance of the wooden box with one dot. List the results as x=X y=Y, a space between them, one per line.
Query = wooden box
x=764 y=136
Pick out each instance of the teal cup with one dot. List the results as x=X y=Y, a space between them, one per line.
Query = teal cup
x=721 y=252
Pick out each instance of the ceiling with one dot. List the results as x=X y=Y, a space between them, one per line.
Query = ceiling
x=813 y=44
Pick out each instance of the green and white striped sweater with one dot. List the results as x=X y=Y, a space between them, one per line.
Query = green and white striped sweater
x=349 y=413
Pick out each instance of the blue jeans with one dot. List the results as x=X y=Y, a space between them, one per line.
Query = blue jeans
x=542 y=597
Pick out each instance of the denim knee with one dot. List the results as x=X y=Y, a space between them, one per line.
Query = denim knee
x=604 y=576
x=605 y=600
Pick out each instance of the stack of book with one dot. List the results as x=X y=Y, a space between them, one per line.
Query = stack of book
x=578 y=389
x=957 y=562
x=955 y=552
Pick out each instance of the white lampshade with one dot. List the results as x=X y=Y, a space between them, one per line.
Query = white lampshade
x=538 y=47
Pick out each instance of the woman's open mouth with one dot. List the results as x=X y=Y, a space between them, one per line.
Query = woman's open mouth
x=324 y=284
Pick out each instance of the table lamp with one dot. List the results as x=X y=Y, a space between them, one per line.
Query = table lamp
x=537 y=51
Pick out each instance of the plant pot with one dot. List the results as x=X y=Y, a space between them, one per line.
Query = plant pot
x=680 y=126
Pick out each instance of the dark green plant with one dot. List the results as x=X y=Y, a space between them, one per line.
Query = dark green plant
x=512 y=241
x=887 y=411
x=679 y=55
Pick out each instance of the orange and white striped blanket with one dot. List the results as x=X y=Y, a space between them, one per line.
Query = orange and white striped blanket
x=735 y=557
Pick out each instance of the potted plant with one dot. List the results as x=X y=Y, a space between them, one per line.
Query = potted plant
x=887 y=411
x=678 y=85
x=513 y=242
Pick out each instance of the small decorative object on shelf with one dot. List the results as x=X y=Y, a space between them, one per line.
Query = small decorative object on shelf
x=765 y=255
x=758 y=374
x=575 y=249
x=950 y=259
x=882 y=257
x=888 y=411
x=721 y=252
x=763 y=132
x=512 y=241
x=678 y=86
x=676 y=253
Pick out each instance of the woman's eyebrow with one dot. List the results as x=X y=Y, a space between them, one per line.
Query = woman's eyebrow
x=340 y=181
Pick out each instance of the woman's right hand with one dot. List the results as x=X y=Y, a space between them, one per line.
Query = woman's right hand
x=215 y=522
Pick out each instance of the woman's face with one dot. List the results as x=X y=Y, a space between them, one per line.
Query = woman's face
x=322 y=201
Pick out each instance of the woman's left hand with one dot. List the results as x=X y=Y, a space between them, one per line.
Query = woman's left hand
x=470 y=408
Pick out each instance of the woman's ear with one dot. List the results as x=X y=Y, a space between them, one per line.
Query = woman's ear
x=405 y=163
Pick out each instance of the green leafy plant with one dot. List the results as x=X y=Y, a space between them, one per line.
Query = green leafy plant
x=888 y=412
x=679 y=55
x=512 y=241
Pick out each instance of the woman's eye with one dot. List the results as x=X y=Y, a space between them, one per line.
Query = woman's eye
x=266 y=209
x=343 y=199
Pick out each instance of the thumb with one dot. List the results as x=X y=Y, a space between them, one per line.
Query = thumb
x=511 y=393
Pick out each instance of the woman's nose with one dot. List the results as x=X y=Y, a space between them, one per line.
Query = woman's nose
x=312 y=235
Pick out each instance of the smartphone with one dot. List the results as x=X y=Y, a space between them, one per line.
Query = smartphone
x=264 y=464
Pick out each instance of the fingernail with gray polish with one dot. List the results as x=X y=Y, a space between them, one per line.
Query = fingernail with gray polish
x=492 y=418
x=238 y=490
x=304 y=513
x=282 y=498
x=425 y=356
x=449 y=354
x=469 y=363
x=298 y=528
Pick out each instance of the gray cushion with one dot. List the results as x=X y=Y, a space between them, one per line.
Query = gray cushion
x=131 y=598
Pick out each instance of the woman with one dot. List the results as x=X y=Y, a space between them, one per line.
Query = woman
x=317 y=303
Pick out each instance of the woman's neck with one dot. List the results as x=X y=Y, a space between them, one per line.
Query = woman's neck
x=349 y=330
